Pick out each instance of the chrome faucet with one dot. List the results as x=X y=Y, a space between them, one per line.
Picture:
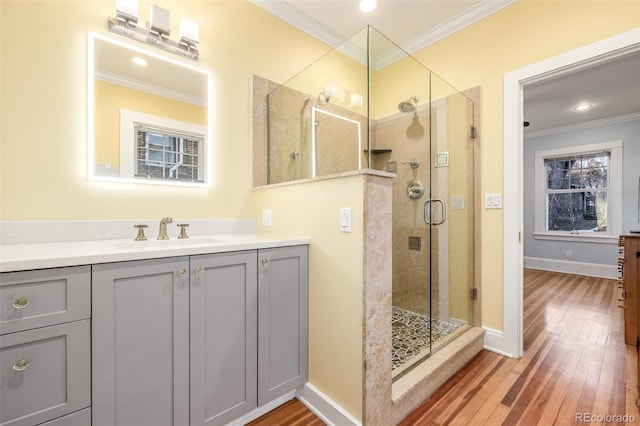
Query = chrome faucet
x=162 y=234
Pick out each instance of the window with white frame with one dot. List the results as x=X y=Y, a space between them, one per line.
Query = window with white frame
x=159 y=149
x=166 y=154
x=578 y=192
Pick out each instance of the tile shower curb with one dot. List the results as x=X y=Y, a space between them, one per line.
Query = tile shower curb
x=412 y=389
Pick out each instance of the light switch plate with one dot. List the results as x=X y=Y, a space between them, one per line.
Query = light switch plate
x=492 y=201
x=266 y=217
x=345 y=219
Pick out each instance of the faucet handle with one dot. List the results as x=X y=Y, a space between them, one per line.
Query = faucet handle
x=183 y=231
x=141 y=236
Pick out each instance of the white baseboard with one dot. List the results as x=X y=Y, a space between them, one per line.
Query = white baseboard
x=324 y=407
x=494 y=341
x=569 y=267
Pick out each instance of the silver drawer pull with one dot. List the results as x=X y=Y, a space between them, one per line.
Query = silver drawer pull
x=265 y=262
x=199 y=269
x=182 y=272
x=21 y=364
x=20 y=303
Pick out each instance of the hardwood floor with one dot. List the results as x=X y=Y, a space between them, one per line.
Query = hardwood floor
x=575 y=367
x=575 y=364
x=291 y=413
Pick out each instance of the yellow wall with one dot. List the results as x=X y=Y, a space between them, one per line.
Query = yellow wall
x=335 y=278
x=526 y=32
x=43 y=100
x=110 y=98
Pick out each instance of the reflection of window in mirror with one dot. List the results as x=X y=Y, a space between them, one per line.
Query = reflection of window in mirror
x=171 y=99
x=159 y=148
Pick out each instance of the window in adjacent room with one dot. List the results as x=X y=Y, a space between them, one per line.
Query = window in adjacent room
x=578 y=192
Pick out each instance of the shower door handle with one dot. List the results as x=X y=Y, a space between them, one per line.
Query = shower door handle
x=428 y=210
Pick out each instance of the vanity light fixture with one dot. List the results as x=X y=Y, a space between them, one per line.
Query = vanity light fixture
x=582 y=107
x=127 y=12
x=157 y=31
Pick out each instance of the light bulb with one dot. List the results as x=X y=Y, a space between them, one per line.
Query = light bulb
x=367 y=5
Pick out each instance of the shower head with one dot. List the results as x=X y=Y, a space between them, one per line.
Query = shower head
x=325 y=95
x=409 y=105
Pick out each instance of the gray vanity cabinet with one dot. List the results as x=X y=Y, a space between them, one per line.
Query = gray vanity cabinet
x=45 y=370
x=199 y=340
x=282 y=321
x=223 y=337
x=140 y=342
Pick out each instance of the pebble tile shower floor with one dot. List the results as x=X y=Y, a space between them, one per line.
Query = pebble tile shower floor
x=411 y=334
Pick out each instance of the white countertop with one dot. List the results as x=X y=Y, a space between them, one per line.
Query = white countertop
x=19 y=257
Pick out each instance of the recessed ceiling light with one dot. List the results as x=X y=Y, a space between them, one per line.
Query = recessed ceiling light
x=582 y=107
x=367 y=5
x=139 y=61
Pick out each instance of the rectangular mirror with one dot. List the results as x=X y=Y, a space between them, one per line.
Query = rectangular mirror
x=148 y=116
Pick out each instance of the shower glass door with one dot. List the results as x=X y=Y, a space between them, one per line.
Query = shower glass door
x=449 y=212
x=421 y=130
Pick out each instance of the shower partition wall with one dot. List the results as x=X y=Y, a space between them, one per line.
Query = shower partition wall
x=368 y=104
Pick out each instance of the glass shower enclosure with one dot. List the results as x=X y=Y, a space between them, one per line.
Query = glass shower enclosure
x=369 y=104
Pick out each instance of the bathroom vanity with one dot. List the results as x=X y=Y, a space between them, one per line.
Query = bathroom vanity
x=184 y=334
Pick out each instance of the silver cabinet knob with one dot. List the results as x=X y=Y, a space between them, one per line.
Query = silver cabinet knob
x=182 y=273
x=265 y=262
x=20 y=365
x=199 y=269
x=20 y=303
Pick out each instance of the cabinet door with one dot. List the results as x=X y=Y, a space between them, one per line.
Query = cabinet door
x=282 y=321
x=223 y=337
x=140 y=342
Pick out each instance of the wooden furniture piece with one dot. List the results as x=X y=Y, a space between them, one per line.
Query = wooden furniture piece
x=629 y=268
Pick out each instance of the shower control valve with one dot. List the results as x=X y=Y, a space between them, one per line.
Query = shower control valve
x=414 y=163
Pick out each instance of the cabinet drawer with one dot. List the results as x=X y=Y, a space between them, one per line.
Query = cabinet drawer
x=32 y=299
x=44 y=373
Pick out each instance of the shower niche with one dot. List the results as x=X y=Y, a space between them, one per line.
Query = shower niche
x=367 y=104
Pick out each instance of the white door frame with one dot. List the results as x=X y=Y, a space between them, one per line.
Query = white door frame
x=622 y=44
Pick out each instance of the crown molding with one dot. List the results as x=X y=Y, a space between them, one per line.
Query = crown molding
x=584 y=125
x=149 y=88
x=300 y=20
x=458 y=22
x=320 y=31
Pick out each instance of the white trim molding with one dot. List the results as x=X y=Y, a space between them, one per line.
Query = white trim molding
x=494 y=341
x=569 y=267
x=324 y=407
x=514 y=81
x=613 y=191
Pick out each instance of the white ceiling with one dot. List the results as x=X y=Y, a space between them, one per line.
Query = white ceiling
x=613 y=88
x=411 y=24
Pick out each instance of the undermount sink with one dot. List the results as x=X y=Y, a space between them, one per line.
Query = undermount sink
x=170 y=243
